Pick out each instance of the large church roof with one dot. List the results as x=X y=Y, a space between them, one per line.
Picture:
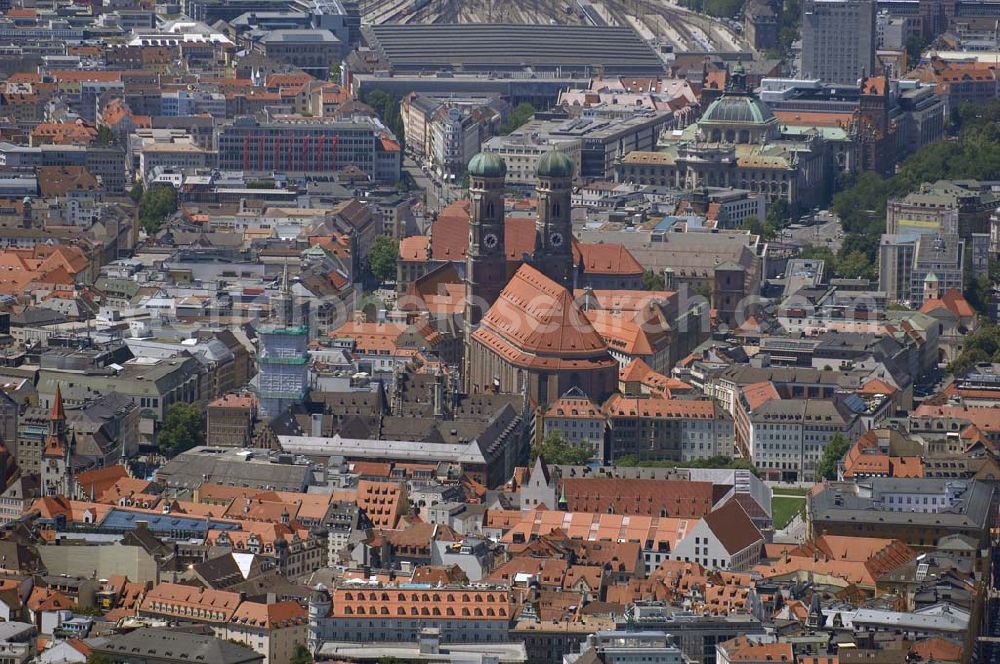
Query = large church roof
x=536 y=321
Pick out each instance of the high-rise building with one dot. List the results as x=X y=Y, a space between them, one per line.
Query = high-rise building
x=838 y=40
x=283 y=377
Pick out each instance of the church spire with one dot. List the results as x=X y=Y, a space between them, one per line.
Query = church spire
x=58 y=412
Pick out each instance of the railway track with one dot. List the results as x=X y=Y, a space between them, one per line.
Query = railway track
x=388 y=13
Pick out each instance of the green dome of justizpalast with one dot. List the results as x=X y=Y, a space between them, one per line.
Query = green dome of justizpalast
x=487 y=165
x=554 y=164
x=736 y=109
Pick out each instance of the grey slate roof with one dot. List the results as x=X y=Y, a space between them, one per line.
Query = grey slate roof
x=845 y=502
x=164 y=645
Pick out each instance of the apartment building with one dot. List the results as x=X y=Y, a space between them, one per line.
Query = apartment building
x=787 y=436
x=230 y=420
x=665 y=429
x=374 y=613
x=270 y=629
x=577 y=419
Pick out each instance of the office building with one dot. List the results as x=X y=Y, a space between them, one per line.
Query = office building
x=310 y=145
x=838 y=40
x=914 y=268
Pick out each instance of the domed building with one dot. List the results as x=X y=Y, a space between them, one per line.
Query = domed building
x=738 y=142
x=740 y=119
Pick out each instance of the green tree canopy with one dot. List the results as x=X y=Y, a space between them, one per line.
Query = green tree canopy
x=652 y=281
x=301 y=655
x=983 y=345
x=182 y=429
x=517 y=117
x=382 y=258
x=386 y=104
x=135 y=193
x=832 y=454
x=104 y=136
x=157 y=203
x=718 y=461
x=973 y=154
x=779 y=213
x=766 y=230
x=555 y=449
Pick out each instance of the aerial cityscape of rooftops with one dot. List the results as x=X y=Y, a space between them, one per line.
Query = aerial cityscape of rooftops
x=500 y=331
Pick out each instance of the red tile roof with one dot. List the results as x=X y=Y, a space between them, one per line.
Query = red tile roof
x=672 y=498
x=536 y=323
x=660 y=407
x=953 y=301
x=733 y=527
x=606 y=259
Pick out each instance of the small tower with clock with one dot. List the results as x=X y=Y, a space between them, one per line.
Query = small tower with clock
x=554 y=227
x=486 y=258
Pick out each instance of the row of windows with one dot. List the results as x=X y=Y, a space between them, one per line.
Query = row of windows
x=424 y=611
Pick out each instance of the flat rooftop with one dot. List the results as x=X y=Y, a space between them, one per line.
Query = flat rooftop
x=510 y=47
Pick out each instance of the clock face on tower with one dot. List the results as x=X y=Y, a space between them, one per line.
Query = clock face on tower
x=490 y=241
x=556 y=239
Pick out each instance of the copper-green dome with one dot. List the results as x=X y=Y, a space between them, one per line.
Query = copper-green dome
x=487 y=165
x=554 y=164
x=737 y=109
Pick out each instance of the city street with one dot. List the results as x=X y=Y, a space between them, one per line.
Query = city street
x=436 y=194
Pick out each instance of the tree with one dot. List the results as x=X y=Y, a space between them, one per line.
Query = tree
x=778 y=213
x=182 y=429
x=652 y=281
x=382 y=258
x=766 y=230
x=104 y=136
x=791 y=18
x=718 y=461
x=855 y=265
x=979 y=289
x=517 y=117
x=157 y=204
x=135 y=193
x=983 y=345
x=386 y=104
x=301 y=655
x=914 y=49
x=832 y=454
x=94 y=658
x=555 y=449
